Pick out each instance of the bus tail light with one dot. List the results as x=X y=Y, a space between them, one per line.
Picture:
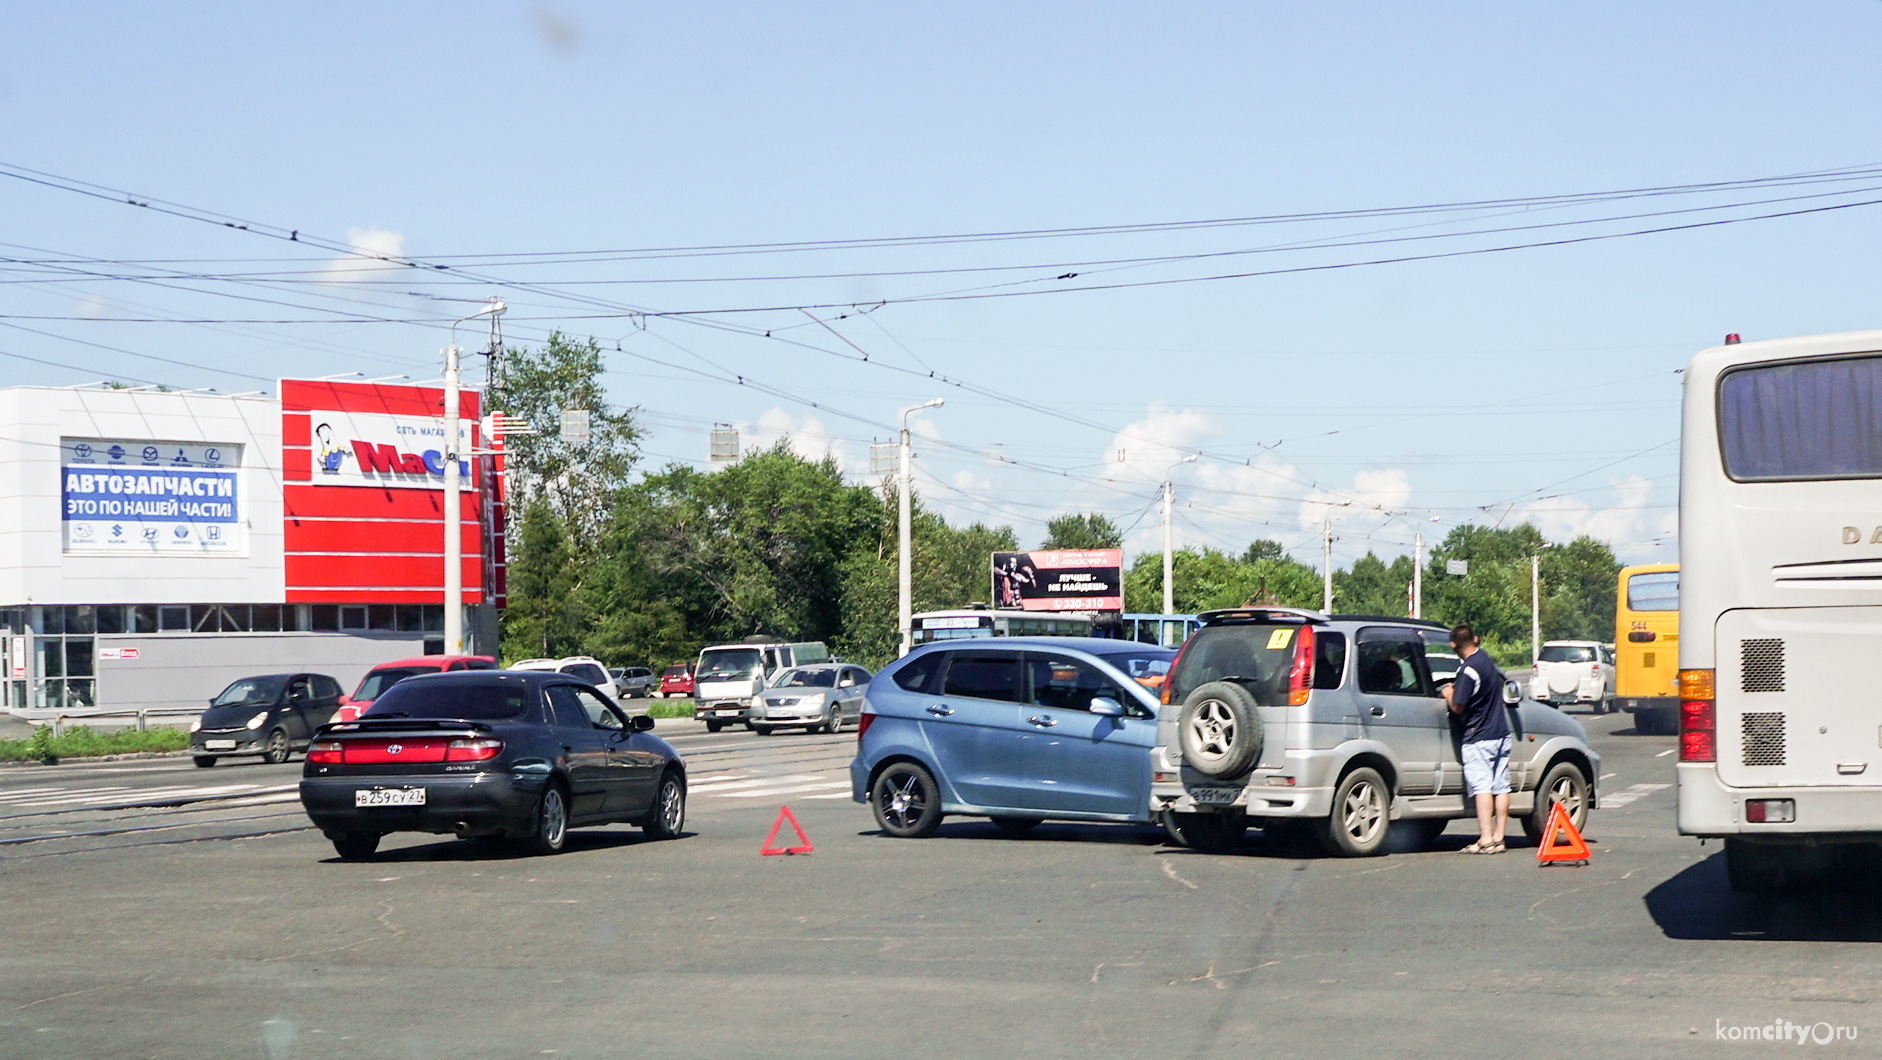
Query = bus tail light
x=1698 y=724
x=1300 y=675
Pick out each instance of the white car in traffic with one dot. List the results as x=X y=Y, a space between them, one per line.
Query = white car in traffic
x=1570 y=672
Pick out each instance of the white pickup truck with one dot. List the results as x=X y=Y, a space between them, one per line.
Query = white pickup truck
x=1575 y=671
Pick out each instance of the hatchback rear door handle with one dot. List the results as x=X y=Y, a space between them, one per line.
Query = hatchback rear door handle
x=1042 y=721
x=940 y=711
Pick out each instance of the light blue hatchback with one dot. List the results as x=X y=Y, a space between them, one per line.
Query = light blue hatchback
x=1018 y=729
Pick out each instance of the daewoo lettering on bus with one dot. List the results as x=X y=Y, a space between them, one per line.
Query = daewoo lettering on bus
x=1780 y=604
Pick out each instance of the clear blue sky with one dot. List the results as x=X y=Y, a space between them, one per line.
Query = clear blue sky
x=1530 y=383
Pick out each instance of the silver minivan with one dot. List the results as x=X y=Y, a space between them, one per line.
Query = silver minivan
x=1334 y=726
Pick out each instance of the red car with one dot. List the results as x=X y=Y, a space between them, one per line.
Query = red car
x=385 y=675
x=676 y=682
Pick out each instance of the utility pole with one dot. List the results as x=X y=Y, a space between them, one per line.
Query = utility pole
x=1326 y=568
x=1169 y=546
x=453 y=514
x=1418 y=576
x=1535 y=608
x=904 y=570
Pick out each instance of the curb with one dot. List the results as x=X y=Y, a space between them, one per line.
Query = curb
x=125 y=756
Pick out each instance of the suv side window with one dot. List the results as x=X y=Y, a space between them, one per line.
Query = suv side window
x=1329 y=663
x=1388 y=662
x=1068 y=684
x=918 y=676
x=984 y=675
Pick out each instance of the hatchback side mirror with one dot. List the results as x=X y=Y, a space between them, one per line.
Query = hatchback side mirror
x=1106 y=707
x=643 y=722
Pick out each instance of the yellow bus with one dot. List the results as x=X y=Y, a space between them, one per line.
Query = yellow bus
x=1646 y=646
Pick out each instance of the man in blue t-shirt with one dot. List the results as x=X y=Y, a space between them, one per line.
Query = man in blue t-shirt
x=1477 y=697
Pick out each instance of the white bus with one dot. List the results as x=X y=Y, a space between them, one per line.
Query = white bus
x=1780 y=604
x=971 y=622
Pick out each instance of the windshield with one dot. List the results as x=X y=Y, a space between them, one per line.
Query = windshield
x=375 y=684
x=806 y=679
x=728 y=665
x=1568 y=653
x=452 y=700
x=251 y=691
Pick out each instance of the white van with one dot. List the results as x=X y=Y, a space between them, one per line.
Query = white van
x=1780 y=604
x=729 y=677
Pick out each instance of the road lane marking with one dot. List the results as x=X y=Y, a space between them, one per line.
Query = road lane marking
x=1666 y=752
x=1632 y=794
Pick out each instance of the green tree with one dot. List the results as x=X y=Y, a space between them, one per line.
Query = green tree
x=580 y=482
x=1209 y=579
x=1081 y=532
x=546 y=613
x=1264 y=548
x=1373 y=587
x=1578 y=581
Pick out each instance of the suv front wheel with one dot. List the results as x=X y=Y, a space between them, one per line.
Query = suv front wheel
x=1362 y=806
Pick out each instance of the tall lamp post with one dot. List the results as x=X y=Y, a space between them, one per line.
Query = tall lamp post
x=1169 y=542
x=453 y=517
x=904 y=569
x=1326 y=590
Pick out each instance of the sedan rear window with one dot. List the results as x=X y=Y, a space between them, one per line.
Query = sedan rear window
x=446 y=700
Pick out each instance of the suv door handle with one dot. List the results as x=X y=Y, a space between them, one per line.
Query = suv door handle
x=1042 y=721
x=940 y=711
x=1378 y=712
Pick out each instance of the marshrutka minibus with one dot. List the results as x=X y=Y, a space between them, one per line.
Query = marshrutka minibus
x=1780 y=604
x=1646 y=646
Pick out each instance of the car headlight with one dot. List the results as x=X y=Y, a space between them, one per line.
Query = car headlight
x=811 y=702
x=258 y=720
x=196 y=724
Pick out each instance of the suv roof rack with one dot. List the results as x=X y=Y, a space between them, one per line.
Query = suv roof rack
x=1398 y=619
x=1257 y=614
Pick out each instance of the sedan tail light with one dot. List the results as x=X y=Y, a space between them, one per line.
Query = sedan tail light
x=472 y=750
x=1698 y=717
x=326 y=752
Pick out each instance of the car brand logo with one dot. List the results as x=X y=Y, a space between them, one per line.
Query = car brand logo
x=395 y=748
x=82 y=450
x=116 y=451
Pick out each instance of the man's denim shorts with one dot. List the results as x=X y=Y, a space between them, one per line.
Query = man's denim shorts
x=1487 y=767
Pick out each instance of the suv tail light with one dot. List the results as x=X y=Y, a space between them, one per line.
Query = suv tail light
x=472 y=750
x=1698 y=719
x=1300 y=675
x=1163 y=694
x=326 y=752
x=863 y=722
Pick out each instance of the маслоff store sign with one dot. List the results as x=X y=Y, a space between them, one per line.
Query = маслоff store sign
x=122 y=496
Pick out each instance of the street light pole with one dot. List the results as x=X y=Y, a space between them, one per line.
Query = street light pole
x=1418 y=576
x=1169 y=540
x=1326 y=589
x=453 y=516
x=904 y=568
x=1535 y=608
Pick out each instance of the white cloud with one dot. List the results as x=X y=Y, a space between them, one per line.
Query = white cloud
x=808 y=437
x=361 y=265
x=92 y=307
x=1637 y=532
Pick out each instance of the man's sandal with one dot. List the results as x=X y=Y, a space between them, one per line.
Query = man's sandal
x=1479 y=847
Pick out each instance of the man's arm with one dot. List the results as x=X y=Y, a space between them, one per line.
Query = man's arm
x=1457 y=693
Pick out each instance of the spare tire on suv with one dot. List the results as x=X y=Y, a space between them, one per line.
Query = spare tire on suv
x=1220 y=730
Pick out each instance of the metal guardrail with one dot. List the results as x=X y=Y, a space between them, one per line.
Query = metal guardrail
x=142 y=714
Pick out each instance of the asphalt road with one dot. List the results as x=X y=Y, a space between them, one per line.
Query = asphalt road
x=150 y=916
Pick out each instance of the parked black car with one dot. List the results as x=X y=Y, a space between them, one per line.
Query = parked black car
x=512 y=754
x=272 y=716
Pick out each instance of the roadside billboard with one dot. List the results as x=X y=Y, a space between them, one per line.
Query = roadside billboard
x=1059 y=580
x=133 y=495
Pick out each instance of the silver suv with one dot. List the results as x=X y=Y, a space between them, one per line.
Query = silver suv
x=1304 y=724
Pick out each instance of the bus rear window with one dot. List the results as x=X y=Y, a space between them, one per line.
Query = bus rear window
x=1658 y=591
x=1803 y=420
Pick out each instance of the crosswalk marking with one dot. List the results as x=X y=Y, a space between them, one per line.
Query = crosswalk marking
x=78 y=798
x=744 y=786
x=1632 y=794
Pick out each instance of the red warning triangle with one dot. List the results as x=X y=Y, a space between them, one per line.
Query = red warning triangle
x=1573 y=850
x=784 y=814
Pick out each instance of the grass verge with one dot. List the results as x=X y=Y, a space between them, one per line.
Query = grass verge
x=670 y=708
x=82 y=742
